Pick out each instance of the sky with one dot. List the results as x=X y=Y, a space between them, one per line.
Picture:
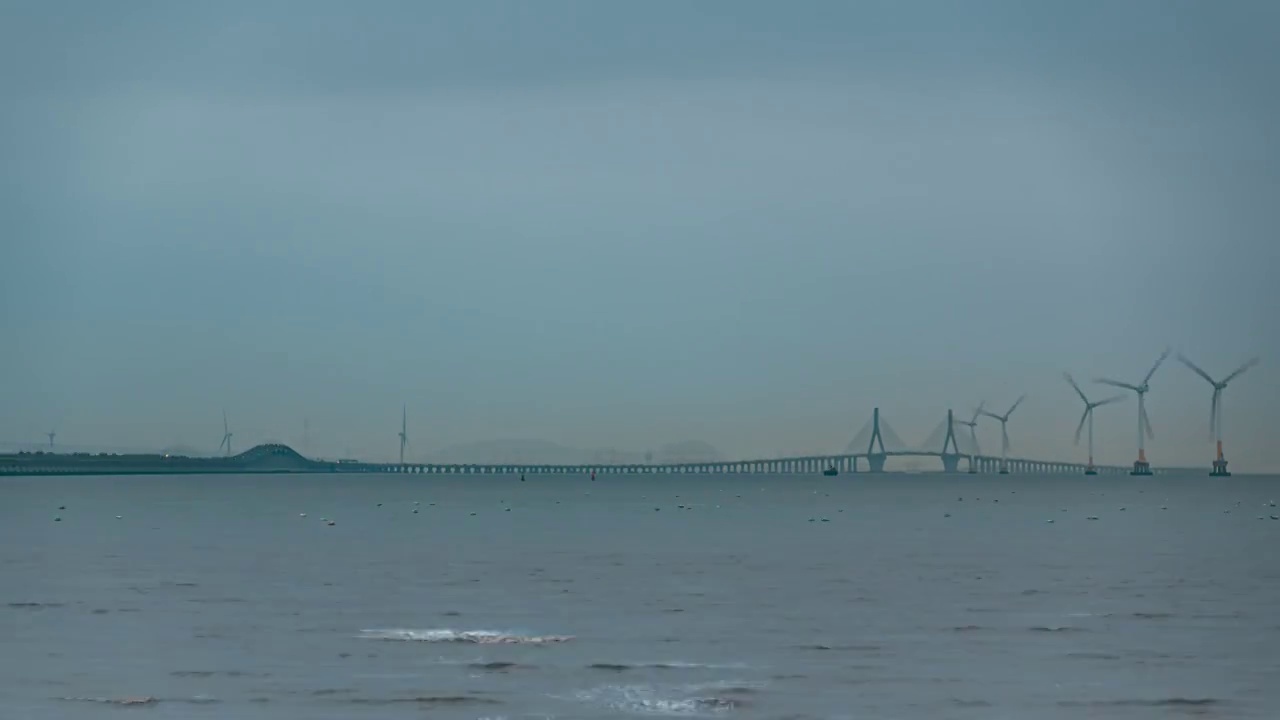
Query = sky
x=629 y=224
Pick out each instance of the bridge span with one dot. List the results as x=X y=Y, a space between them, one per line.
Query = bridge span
x=810 y=465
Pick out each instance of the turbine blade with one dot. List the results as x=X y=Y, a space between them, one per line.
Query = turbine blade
x=1116 y=383
x=993 y=416
x=1108 y=401
x=1146 y=423
x=1080 y=427
x=1155 y=367
x=1076 y=387
x=978 y=411
x=1239 y=371
x=1015 y=406
x=1213 y=413
x=1195 y=368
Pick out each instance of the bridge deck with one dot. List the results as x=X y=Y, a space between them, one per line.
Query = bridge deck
x=282 y=459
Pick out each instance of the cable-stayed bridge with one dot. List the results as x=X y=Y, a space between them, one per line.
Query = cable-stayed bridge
x=868 y=451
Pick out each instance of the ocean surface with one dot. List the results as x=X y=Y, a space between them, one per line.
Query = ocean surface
x=897 y=596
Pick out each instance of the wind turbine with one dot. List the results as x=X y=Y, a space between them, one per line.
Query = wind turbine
x=1215 y=409
x=1141 y=466
x=972 y=424
x=1004 y=432
x=226 y=435
x=51 y=435
x=1088 y=415
x=404 y=431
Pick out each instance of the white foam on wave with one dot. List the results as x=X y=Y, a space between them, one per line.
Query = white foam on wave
x=478 y=637
x=688 y=700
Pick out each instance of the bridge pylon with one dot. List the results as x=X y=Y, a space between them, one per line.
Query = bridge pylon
x=950 y=460
x=876 y=459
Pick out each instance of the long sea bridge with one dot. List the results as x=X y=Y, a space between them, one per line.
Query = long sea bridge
x=869 y=451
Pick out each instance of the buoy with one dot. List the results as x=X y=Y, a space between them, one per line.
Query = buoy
x=302 y=514
x=946 y=514
x=415 y=511
x=57 y=519
x=1092 y=517
x=119 y=516
x=332 y=522
x=1050 y=521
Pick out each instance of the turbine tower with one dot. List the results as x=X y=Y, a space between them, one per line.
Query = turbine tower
x=1141 y=466
x=1089 y=407
x=404 y=431
x=51 y=435
x=1004 y=433
x=226 y=435
x=972 y=424
x=1215 y=410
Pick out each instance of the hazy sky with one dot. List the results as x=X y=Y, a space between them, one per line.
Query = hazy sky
x=626 y=224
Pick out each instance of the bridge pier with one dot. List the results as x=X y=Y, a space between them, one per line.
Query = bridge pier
x=876 y=461
x=950 y=463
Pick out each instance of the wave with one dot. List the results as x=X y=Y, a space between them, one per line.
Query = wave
x=1093 y=656
x=478 y=637
x=212 y=673
x=426 y=700
x=496 y=666
x=1056 y=629
x=649 y=700
x=682 y=665
x=1172 y=702
x=670 y=665
x=142 y=700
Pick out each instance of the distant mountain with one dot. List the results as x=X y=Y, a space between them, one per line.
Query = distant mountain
x=532 y=452
x=543 y=452
x=689 y=451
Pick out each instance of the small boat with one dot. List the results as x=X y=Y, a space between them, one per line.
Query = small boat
x=831 y=471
